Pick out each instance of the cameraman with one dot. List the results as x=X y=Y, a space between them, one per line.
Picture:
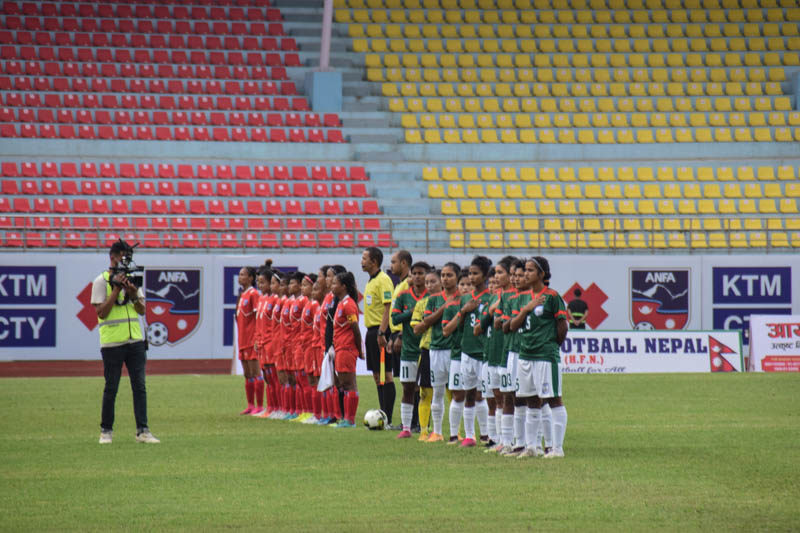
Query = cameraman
x=119 y=303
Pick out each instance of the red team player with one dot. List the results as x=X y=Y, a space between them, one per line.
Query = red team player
x=277 y=345
x=312 y=291
x=286 y=352
x=269 y=286
x=347 y=343
x=317 y=350
x=296 y=346
x=246 y=329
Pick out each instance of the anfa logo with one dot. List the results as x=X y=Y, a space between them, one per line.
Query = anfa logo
x=173 y=304
x=723 y=358
x=659 y=298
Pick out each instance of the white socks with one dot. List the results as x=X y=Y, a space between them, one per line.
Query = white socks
x=559 y=426
x=482 y=412
x=469 y=422
x=492 y=427
x=520 y=414
x=437 y=409
x=532 y=428
x=456 y=410
x=547 y=424
x=507 y=431
x=406 y=414
x=498 y=425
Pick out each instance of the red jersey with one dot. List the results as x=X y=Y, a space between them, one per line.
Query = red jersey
x=264 y=319
x=286 y=321
x=296 y=316
x=307 y=323
x=277 y=309
x=246 y=318
x=319 y=327
x=344 y=340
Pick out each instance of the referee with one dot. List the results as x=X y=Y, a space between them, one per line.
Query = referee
x=377 y=307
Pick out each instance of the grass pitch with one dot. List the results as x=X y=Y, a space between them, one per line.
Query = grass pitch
x=643 y=452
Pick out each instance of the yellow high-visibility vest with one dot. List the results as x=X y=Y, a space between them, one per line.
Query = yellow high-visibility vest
x=122 y=322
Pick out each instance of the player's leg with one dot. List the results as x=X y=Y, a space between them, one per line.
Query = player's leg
x=547 y=427
x=440 y=369
x=457 y=401
x=470 y=373
x=526 y=390
x=408 y=377
x=481 y=403
x=254 y=369
x=425 y=392
x=551 y=381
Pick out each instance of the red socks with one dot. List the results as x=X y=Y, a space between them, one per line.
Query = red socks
x=316 y=404
x=250 y=391
x=259 y=391
x=351 y=405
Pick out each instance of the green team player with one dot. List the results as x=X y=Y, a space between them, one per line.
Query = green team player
x=441 y=309
x=472 y=356
x=409 y=356
x=542 y=324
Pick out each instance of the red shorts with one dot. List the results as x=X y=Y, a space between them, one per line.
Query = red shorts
x=346 y=361
x=264 y=354
x=309 y=359
x=319 y=355
x=299 y=356
x=247 y=354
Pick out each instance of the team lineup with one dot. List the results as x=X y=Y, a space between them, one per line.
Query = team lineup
x=484 y=337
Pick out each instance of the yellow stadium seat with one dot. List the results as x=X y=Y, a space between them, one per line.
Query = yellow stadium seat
x=469 y=174
x=514 y=190
x=488 y=207
x=508 y=174
x=453 y=224
x=436 y=190
x=470 y=136
x=473 y=224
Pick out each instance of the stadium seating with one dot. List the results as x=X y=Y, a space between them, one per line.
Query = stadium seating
x=84 y=204
x=156 y=72
x=581 y=72
x=617 y=207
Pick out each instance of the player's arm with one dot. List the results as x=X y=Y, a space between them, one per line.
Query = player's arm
x=523 y=313
x=450 y=327
x=561 y=330
x=387 y=307
x=356 y=335
x=400 y=316
x=583 y=318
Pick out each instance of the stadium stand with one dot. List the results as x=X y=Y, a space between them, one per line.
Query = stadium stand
x=591 y=125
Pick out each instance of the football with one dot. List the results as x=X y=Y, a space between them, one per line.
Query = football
x=375 y=419
x=157 y=333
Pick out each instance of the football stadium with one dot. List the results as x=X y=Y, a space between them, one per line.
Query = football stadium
x=399 y=265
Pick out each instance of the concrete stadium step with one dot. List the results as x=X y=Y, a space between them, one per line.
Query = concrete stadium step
x=389 y=155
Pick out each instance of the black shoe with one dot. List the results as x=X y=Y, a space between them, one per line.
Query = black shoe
x=489 y=443
x=415 y=429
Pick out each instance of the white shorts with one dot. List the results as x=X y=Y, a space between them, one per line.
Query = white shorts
x=539 y=378
x=470 y=372
x=454 y=382
x=485 y=385
x=508 y=375
x=440 y=367
x=408 y=371
x=494 y=379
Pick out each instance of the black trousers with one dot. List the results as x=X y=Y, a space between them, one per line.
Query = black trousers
x=134 y=357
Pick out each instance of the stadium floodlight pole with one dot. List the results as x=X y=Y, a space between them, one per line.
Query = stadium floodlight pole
x=325 y=45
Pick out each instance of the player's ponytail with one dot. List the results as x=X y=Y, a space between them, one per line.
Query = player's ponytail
x=349 y=282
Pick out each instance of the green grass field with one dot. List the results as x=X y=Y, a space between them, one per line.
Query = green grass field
x=643 y=452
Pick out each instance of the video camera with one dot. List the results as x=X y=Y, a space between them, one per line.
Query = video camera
x=126 y=265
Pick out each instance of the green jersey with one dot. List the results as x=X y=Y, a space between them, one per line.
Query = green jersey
x=494 y=339
x=450 y=312
x=503 y=312
x=438 y=340
x=401 y=316
x=538 y=333
x=513 y=310
x=470 y=344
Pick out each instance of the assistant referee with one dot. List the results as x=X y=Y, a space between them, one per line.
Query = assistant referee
x=377 y=307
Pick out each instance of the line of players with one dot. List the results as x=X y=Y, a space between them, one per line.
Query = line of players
x=285 y=324
x=495 y=333
x=488 y=336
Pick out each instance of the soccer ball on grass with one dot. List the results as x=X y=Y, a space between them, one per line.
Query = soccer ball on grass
x=375 y=419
